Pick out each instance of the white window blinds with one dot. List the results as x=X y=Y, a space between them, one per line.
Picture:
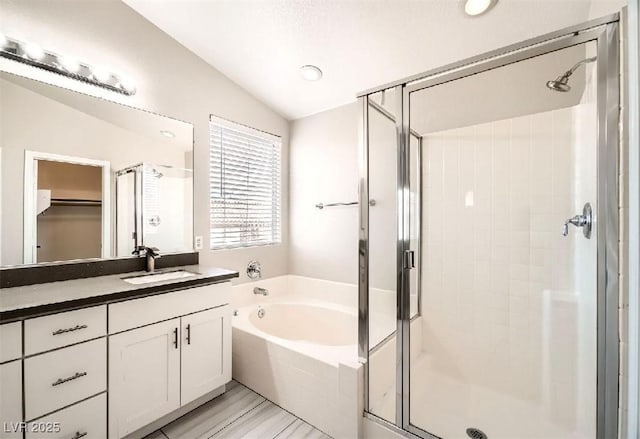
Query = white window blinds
x=244 y=186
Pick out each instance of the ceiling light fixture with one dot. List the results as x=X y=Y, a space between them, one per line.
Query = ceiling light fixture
x=311 y=73
x=168 y=134
x=35 y=56
x=478 y=7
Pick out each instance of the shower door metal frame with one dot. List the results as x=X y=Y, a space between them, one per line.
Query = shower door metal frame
x=605 y=32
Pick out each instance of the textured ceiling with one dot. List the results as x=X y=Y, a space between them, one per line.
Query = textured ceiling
x=359 y=44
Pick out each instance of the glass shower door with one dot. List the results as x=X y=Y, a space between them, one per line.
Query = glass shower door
x=506 y=342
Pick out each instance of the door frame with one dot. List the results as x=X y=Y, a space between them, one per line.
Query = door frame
x=30 y=229
x=605 y=32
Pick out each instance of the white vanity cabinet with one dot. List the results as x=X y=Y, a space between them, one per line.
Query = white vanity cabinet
x=11 y=399
x=206 y=352
x=144 y=376
x=115 y=369
x=156 y=368
x=10 y=380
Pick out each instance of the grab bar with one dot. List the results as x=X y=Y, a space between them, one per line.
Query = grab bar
x=350 y=203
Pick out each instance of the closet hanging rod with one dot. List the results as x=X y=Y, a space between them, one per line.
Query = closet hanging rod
x=74 y=202
x=350 y=203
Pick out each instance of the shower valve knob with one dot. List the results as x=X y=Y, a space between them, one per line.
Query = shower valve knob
x=584 y=221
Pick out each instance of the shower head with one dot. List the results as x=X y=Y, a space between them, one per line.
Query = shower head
x=156 y=173
x=561 y=83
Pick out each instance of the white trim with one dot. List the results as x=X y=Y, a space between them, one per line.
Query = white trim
x=30 y=196
x=1 y=231
x=633 y=279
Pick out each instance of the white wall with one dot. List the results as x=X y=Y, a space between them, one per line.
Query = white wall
x=601 y=8
x=171 y=81
x=324 y=168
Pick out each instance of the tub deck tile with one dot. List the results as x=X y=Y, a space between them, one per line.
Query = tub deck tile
x=239 y=413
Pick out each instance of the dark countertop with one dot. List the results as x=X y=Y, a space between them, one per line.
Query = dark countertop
x=29 y=301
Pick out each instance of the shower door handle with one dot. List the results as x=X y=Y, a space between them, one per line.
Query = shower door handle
x=585 y=221
x=409 y=259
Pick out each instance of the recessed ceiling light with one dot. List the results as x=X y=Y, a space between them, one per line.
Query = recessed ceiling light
x=311 y=73
x=168 y=134
x=477 y=7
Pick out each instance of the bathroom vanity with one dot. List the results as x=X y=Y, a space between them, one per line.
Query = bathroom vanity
x=108 y=356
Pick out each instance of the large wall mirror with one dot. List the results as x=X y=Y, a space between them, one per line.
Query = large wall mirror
x=83 y=177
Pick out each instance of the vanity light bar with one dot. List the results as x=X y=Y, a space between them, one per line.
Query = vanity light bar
x=34 y=55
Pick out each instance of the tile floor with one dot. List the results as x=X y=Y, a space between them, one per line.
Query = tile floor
x=238 y=413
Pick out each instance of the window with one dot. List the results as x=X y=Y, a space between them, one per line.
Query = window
x=244 y=186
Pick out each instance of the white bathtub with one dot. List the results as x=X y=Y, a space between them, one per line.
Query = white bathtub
x=302 y=353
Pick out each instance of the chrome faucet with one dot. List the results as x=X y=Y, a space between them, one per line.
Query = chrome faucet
x=258 y=290
x=151 y=254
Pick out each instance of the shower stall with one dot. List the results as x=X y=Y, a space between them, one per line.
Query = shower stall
x=153 y=208
x=488 y=283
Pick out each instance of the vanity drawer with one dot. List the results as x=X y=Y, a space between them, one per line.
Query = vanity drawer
x=86 y=420
x=139 y=312
x=59 y=378
x=10 y=341
x=50 y=332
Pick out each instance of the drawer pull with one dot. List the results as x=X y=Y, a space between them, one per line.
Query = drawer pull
x=78 y=435
x=64 y=331
x=71 y=378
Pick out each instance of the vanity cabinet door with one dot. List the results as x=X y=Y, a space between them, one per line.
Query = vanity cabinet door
x=11 y=400
x=144 y=376
x=206 y=352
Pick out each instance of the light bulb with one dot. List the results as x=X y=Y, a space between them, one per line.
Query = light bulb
x=127 y=84
x=476 y=7
x=101 y=73
x=311 y=73
x=69 y=63
x=34 y=51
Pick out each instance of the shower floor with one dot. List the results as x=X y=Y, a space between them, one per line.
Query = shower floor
x=446 y=406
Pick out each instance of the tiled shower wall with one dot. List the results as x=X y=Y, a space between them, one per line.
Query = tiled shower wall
x=508 y=302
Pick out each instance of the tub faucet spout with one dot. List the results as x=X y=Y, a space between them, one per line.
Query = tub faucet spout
x=258 y=290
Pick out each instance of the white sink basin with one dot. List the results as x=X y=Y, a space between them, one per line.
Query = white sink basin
x=158 y=277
